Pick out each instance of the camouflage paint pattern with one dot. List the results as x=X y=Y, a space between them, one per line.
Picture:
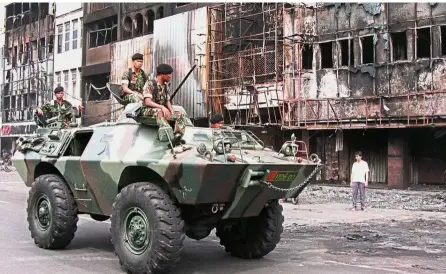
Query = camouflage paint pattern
x=95 y=175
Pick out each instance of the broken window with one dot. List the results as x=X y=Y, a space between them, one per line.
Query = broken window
x=103 y=32
x=42 y=49
x=443 y=39
x=399 y=45
x=423 y=43
x=160 y=13
x=51 y=44
x=128 y=27
x=75 y=33
x=139 y=24
x=67 y=36
x=367 y=50
x=307 y=56
x=150 y=17
x=326 y=54
x=347 y=52
x=59 y=38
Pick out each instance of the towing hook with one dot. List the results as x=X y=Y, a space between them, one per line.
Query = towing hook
x=214 y=208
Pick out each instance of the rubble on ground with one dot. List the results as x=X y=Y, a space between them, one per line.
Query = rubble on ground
x=377 y=198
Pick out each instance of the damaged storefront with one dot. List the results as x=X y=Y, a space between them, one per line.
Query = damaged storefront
x=27 y=65
x=375 y=74
x=343 y=77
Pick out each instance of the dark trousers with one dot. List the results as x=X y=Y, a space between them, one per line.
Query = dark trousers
x=357 y=186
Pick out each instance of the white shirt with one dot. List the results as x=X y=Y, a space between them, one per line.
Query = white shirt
x=359 y=170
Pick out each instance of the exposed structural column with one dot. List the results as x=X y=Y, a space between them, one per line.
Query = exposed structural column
x=398 y=162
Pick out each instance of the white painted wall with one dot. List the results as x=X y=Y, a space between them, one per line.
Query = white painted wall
x=64 y=8
x=68 y=63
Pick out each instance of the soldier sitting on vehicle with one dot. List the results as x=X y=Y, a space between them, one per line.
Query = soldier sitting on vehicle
x=157 y=102
x=217 y=121
x=134 y=81
x=57 y=106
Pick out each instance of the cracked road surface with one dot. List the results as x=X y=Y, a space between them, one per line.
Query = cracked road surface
x=317 y=239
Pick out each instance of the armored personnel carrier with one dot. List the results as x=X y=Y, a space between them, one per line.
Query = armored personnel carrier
x=155 y=192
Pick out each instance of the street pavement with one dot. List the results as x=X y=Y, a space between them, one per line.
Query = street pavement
x=307 y=246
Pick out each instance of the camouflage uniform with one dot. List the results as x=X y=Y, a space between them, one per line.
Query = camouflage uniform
x=162 y=97
x=53 y=108
x=136 y=84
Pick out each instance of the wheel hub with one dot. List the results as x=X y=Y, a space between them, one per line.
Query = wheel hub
x=136 y=227
x=43 y=212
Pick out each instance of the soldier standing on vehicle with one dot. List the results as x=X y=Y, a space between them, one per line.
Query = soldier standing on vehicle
x=157 y=103
x=134 y=81
x=359 y=179
x=59 y=105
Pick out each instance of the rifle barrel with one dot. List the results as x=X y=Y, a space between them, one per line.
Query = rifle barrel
x=182 y=82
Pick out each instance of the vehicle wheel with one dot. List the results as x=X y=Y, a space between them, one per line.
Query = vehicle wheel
x=7 y=168
x=254 y=237
x=52 y=212
x=147 y=229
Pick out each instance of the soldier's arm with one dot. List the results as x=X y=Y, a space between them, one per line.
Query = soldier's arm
x=125 y=83
x=45 y=108
x=148 y=91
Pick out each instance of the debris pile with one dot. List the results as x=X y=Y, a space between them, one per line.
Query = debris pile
x=378 y=198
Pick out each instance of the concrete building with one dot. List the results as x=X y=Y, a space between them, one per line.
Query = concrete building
x=68 y=53
x=27 y=66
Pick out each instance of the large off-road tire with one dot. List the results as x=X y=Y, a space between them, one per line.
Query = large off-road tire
x=254 y=237
x=147 y=229
x=52 y=212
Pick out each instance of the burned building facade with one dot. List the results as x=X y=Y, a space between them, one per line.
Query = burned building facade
x=27 y=65
x=347 y=76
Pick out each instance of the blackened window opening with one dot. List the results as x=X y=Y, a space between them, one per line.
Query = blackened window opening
x=443 y=40
x=139 y=24
x=103 y=32
x=367 y=50
x=423 y=43
x=307 y=56
x=160 y=13
x=399 y=45
x=327 y=55
x=150 y=19
x=346 y=59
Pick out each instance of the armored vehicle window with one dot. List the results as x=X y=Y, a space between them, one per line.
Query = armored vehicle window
x=243 y=138
x=78 y=143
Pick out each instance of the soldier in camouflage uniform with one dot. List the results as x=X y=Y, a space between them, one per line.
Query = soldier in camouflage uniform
x=217 y=121
x=53 y=108
x=134 y=81
x=157 y=102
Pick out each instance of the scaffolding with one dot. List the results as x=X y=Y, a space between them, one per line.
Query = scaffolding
x=245 y=43
x=27 y=60
x=268 y=65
